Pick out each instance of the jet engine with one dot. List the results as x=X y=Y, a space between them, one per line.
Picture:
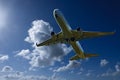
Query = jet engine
x=52 y=33
x=78 y=29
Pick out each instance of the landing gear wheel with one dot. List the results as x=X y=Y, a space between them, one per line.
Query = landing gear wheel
x=72 y=39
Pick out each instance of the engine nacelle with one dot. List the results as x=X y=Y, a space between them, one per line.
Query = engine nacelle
x=52 y=33
x=78 y=29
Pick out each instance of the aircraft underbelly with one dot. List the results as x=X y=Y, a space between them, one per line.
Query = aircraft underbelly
x=67 y=35
x=64 y=27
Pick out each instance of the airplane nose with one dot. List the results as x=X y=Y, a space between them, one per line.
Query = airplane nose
x=55 y=11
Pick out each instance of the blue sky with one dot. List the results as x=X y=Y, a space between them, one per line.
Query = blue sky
x=25 y=22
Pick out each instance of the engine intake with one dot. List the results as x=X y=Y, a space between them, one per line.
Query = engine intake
x=78 y=29
x=52 y=33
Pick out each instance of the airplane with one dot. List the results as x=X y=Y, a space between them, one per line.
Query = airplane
x=69 y=36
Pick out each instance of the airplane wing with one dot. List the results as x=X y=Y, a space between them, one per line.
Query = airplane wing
x=77 y=48
x=54 y=39
x=89 y=34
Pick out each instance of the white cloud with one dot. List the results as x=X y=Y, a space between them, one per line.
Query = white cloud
x=81 y=70
x=8 y=73
x=56 y=77
x=104 y=62
x=7 y=69
x=88 y=74
x=72 y=64
x=44 y=55
x=112 y=73
x=23 y=76
x=117 y=67
x=24 y=53
x=3 y=58
x=39 y=32
x=107 y=73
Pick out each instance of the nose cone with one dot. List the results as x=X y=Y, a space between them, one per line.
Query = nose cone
x=55 y=11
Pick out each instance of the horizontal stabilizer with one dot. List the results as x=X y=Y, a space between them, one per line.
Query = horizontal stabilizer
x=90 y=55
x=76 y=57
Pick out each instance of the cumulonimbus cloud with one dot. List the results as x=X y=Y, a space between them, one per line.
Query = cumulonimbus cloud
x=44 y=55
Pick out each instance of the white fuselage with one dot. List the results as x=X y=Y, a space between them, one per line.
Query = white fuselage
x=63 y=24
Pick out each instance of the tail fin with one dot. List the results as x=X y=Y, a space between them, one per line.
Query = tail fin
x=76 y=57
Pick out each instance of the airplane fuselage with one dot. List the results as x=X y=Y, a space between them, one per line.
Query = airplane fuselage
x=63 y=24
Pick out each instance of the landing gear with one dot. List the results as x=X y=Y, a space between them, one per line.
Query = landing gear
x=72 y=39
x=67 y=40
